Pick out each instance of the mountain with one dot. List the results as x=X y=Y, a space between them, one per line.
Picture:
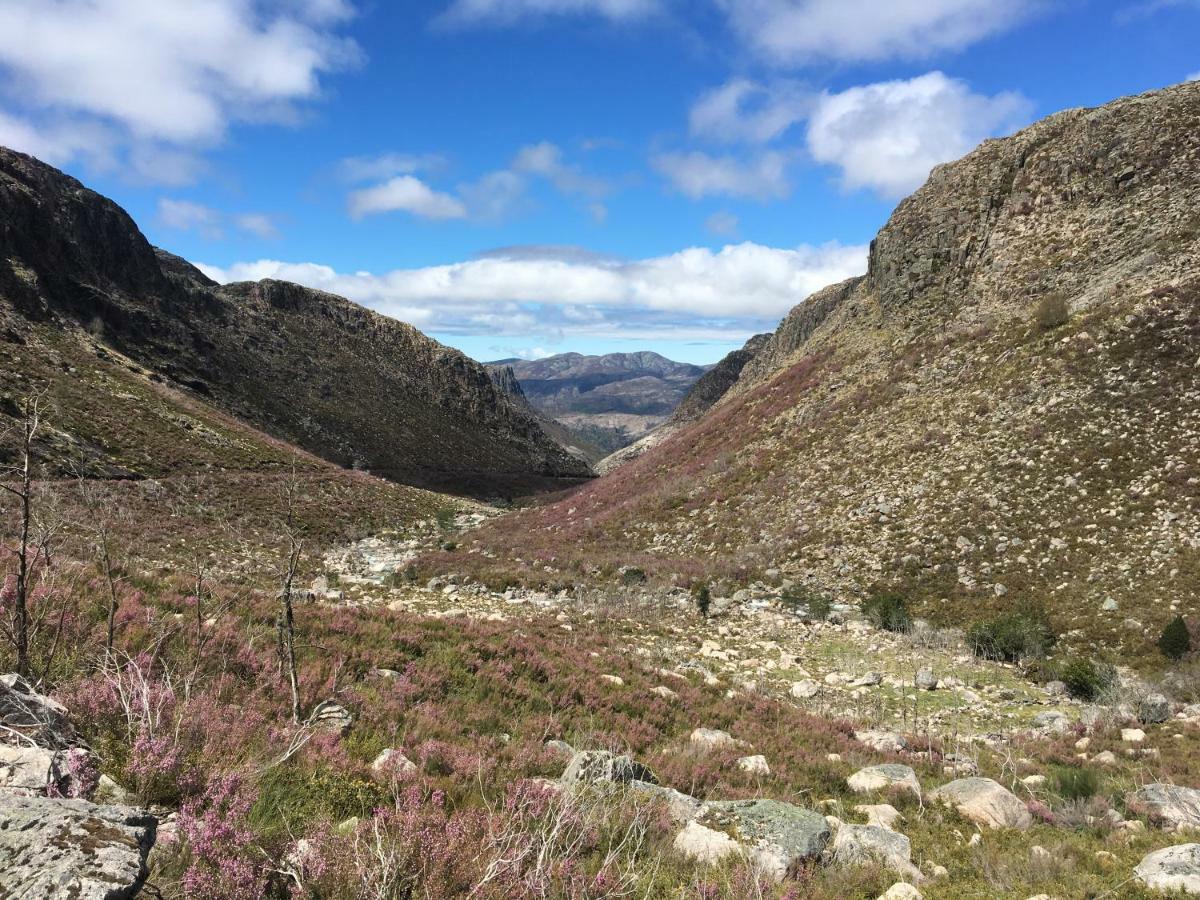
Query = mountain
x=307 y=367
x=700 y=398
x=608 y=401
x=1003 y=412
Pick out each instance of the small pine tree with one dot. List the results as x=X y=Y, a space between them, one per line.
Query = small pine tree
x=1175 y=640
x=703 y=600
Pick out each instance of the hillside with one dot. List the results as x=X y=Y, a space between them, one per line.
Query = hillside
x=608 y=401
x=1002 y=412
x=310 y=368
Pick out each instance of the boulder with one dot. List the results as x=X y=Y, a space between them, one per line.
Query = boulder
x=885 y=777
x=926 y=680
x=331 y=716
x=881 y=741
x=882 y=814
x=1153 y=709
x=805 y=690
x=754 y=765
x=680 y=807
x=776 y=835
x=1167 y=805
x=56 y=849
x=1053 y=720
x=29 y=769
x=984 y=802
x=601 y=766
x=706 y=845
x=392 y=762
x=901 y=890
x=1171 y=869
x=711 y=739
x=856 y=845
x=37 y=717
x=560 y=748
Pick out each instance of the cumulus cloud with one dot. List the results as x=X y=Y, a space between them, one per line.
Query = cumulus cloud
x=171 y=74
x=356 y=169
x=184 y=215
x=697 y=174
x=406 y=194
x=804 y=31
x=741 y=110
x=545 y=160
x=697 y=291
x=473 y=12
x=888 y=136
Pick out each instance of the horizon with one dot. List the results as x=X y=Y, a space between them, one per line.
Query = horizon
x=524 y=178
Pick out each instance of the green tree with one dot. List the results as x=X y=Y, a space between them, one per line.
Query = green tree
x=1176 y=640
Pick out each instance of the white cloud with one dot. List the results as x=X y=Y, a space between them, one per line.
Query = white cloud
x=168 y=73
x=699 y=175
x=408 y=194
x=888 y=136
x=568 y=290
x=545 y=160
x=722 y=223
x=804 y=31
x=184 y=215
x=741 y=110
x=356 y=169
x=472 y=12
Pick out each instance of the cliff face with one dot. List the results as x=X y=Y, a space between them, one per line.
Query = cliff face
x=309 y=367
x=1003 y=411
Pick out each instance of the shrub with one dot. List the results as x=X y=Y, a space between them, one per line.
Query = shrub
x=1175 y=641
x=703 y=598
x=1011 y=637
x=887 y=611
x=1085 y=678
x=814 y=607
x=1052 y=312
x=1073 y=783
x=631 y=575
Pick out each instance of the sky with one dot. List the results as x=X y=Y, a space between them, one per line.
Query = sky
x=528 y=177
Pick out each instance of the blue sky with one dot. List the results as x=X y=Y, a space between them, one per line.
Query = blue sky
x=523 y=177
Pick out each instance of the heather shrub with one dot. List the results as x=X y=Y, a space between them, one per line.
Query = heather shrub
x=1086 y=679
x=1011 y=638
x=703 y=597
x=1175 y=641
x=888 y=611
x=1075 y=782
x=813 y=606
x=222 y=862
x=1052 y=312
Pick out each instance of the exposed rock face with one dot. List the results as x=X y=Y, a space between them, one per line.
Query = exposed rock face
x=984 y=802
x=855 y=845
x=1168 y=805
x=777 y=835
x=589 y=766
x=1171 y=869
x=923 y=428
x=348 y=384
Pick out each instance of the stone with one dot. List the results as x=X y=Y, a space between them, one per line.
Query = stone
x=1105 y=758
x=680 y=807
x=777 y=835
x=984 y=802
x=856 y=845
x=1167 y=805
x=711 y=739
x=1153 y=709
x=1034 y=781
x=108 y=791
x=754 y=765
x=331 y=716
x=885 y=777
x=881 y=741
x=54 y=849
x=1171 y=869
x=926 y=680
x=1132 y=735
x=30 y=769
x=870 y=679
x=1055 y=688
x=392 y=762
x=706 y=845
x=665 y=692
x=1053 y=720
x=806 y=689
x=613 y=679
x=882 y=814
x=561 y=748
x=592 y=766
x=901 y=890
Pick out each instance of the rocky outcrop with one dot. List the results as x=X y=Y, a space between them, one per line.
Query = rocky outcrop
x=1168 y=805
x=348 y=384
x=1172 y=869
x=984 y=802
x=58 y=849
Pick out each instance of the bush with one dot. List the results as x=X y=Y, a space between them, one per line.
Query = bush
x=1011 y=638
x=1086 y=679
x=814 y=607
x=1052 y=312
x=1073 y=783
x=1175 y=641
x=703 y=597
x=887 y=611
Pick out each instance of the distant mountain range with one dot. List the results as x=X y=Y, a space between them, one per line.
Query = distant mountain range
x=608 y=401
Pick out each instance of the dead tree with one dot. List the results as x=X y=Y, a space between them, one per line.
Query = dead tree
x=18 y=482
x=287 y=617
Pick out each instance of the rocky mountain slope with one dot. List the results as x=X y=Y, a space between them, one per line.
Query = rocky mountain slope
x=311 y=368
x=610 y=400
x=1002 y=412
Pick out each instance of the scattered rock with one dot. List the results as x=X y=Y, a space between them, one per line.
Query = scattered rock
x=926 y=680
x=805 y=690
x=711 y=739
x=885 y=777
x=855 y=845
x=591 y=766
x=1153 y=709
x=882 y=814
x=1167 y=805
x=777 y=835
x=704 y=844
x=984 y=802
x=680 y=806
x=561 y=748
x=54 y=849
x=881 y=741
x=392 y=762
x=754 y=765
x=1052 y=721
x=1171 y=869
x=901 y=890
x=331 y=716
x=1132 y=735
